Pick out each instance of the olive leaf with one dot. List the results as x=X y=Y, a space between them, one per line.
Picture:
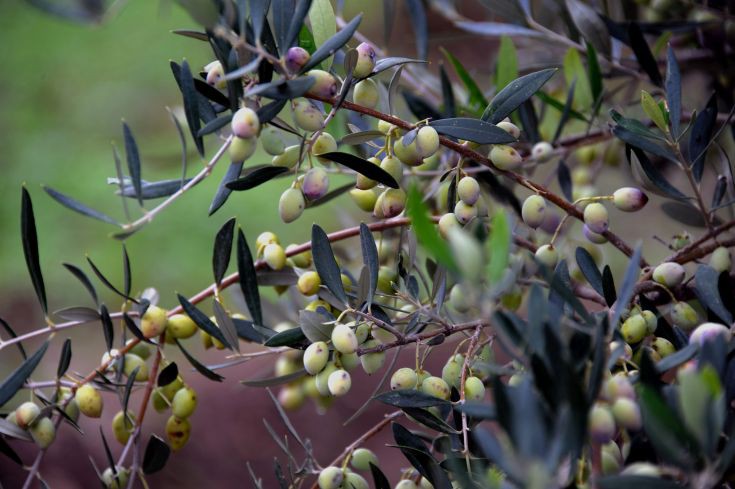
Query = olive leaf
x=17 y=378
x=513 y=95
x=325 y=263
x=30 y=248
x=474 y=130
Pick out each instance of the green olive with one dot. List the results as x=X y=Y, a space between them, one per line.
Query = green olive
x=184 y=402
x=316 y=357
x=289 y=158
x=372 y=362
x=339 y=383
x=271 y=140
x=180 y=326
x=435 y=386
x=468 y=190
x=344 y=339
x=362 y=458
x=670 y=274
x=309 y=283
x=533 y=211
x=123 y=426
x=427 y=141
x=307 y=116
x=89 y=401
x=365 y=199
x=366 y=93
x=153 y=322
x=291 y=205
x=596 y=217
x=505 y=157
x=242 y=148
x=177 y=431
x=26 y=414
x=330 y=478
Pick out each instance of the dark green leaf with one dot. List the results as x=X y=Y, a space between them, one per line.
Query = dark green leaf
x=625 y=294
x=283 y=11
x=565 y=112
x=64 y=358
x=107 y=327
x=474 y=130
x=427 y=419
x=283 y=89
x=248 y=278
x=108 y=453
x=387 y=63
x=226 y=326
x=214 y=125
x=167 y=375
x=272 y=381
x=130 y=324
x=201 y=320
x=198 y=366
x=589 y=269
x=82 y=277
x=593 y=72
x=107 y=283
x=590 y=25
x=665 y=429
x=77 y=313
x=129 y=388
x=332 y=44
x=127 y=274
x=379 y=479
x=418 y=20
x=155 y=190
x=564 y=177
x=191 y=105
x=477 y=410
x=416 y=452
x=133 y=158
x=643 y=53
x=450 y=109
x=362 y=167
x=222 y=250
x=517 y=92
x=552 y=102
x=678 y=358
x=499 y=244
x=258 y=11
x=684 y=213
x=223 y=192
x=499 y=191
x=30 y=248
x=199 y=36
x=329 y=196
x=77 y=206
x=325 y=263
x=257 y=177
x=476 y=98
x=12 y=333
x=418 y=106
x=7 y=450
x=705 y=285
x=297 y=21
x=496 y=29
x=361 y=137
x=699 y=138
x=370 y=259
x=673 y=90
x=291 y=337
x=269 y=111
x=409 y=398
x=655 y=176
x=156 y=455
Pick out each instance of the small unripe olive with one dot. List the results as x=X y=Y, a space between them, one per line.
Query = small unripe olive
x=270 y=139
x=386 y=127
x=366 y=93
x=710 y=331
x=618 y=386
x=362 y=458
x=330 y=478
x=122 y=426
x=142 y=349
x=325 y=143
x=670 y=274
x=365 y=199
x=265 y=238
x=393 y=166
x=325 y=84
x=634 y=329
x=163 y=395
x=180 y=326
x=365 y=60
x=291 y=205
x=406 y=484
x=372 y=362
x=533 y=210
x=364 y=183
x=542 y=151
x=627 y=413
x=116 y=481
x=274 y=256
x=629 y=199
x=510 y=128
x=583 y=192
x=601 y=424
x=435 y=386
x=448 y=222
x=596 y=218
x=610 y=464
x=592 y=236
x=215 y=74
x=452 y=371
x=651 y=321
x=307 y=116
x=662 y=347
x=427 y=141
x=177 y=431
x=316 y=357
x=468 y=190
x=354 y=480
x=71 y=409
x=153 y=322
x=308 y=283
x=339 y=383
x=386 y=277
x=464 y=212
x=582 y=175
x=245 y=123
x=547 y=255
x=505 y=157
x=459 y=298
x=302 y=260
x=474 y=389
x=288 y=158
x=89 y=401
x=362 y=331
x=26 y=414
x=291 y=397
x=346 y=361
x=404 y=378
x=296 y=57
x=642 y=469
x=206 y=338
x=184 y=402
x=242 y=148
x=286 y=365
x=133 y=361
x=720 y=259
x=684 y=316
x=318 y=304
x=409 y=155
x=344 y=339
x=322 y=379
x=315 y=184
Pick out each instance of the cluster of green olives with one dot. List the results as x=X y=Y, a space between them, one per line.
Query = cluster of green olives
x=344 y=477
x=29 y=417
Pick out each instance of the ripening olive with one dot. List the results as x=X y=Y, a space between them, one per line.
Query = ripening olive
x=592 y=236
x=447 y=223
x=315 y=184
x=684 y=316
x=634 y=329
x=89 y=401
x=435 y=386
x=618 y=386
x=709 y=331
x=720 y=259
x=301 y=260
x=627 y=413
x=242 y=148
x=474 y=389
x=601 y=423
x=291 y=397
x=177 y=432
x=117 y=479
x=245 y=123
x=542 y=151
x=404 y=378
x=133 y=361
x=547 y=255
x=427 y=141
x=534 y=208
x=662 y=347
x=339 y=382
x=325 y=84
x=505 y=157
x=372 y=362
x=330 y=478
x=596 y=218
x=122 y=426
x=322 y=379
x=393 y=166
x=670 y=274
x=308 y=283
x=291 y=205
x=72 y=409
x=307 y=116
x=365 y=60
x=153 y=322
x=366 y=93
x=464 y=212
x=362 y=458
x=184 y=402
x=408 y=154
x=510 y=128
x=180 y=326
x=215 y=74
x=629 y=199
x=26 y=414
x=344 y=339
x=296 y=57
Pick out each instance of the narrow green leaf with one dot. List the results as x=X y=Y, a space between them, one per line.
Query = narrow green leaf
x=223 y=191
x=417 y=16
x=17 y=378
x=332 y=44
x=476 y=99
x=514 y=94
x=64 y=358
x=706 y=287
x=82 y=277
x=323 y=25
x=506 y=69
x=409 y=398
x=575 y=70
x=222 y=249
x=370 y=259
x=499 y=244
x=167 y=375
x=77 y=206
x=362 y=166
x=30 y=248
x=594 y=73
x=326 y=264
x=191 y=105
x=257 y=177
x=653 y=111
x=673 y=90
x=198 y=366
x=133 y=158
x=202 y=321
x=474 y=130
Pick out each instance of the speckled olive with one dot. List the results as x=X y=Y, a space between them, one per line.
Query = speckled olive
x=505 y=157
x=427 y=141
x=339 y=382
x=180 y=326
x=464 y=212
x=547 y=255
x=629 y=199
x=435 y=386
x=684 y=316
x=344 y=339
x=325 y=85
x=372 y=362
x=291 y=205
x=89 y=401
x=307 y=116
x=403 y=378
x=308 y=283
x=670 y=274
x=177 y=431
x=542 y=151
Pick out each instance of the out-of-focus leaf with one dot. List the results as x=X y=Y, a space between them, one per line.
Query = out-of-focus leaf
x=297 y=22
x=594 y=73
x=513 y=95
x=387 y=63
x=323 y=24
x=636 y=482
x=8 y=451
x=415 y=451
x=475 y=130
x=565 y=112
x=575 y=73
x=643 y=53
x=77 y=313
x=282 y=11
x=506 y=69
x=409 y=398
x=499 y=246
x=476 y=99
x=325 y=263
x=699 y=138
x=625 y=294
x=332 y=44
x=362 y=166
x=30 y=248
x=17 y=378
x=450 y=108
x=684 y=213
x=203 y=321
x=370 y=259
x=155 y=190
x=291 y=337
x=77 y=206
x=673 y=90
x=590 y=24
x=418 y=106
x=564 y=177
x=379 y=479
x=283 y=89
x=496 y=29
x=653 y=111
x=417 y=16
x=272 y=381
x=666 y=431
x=425 y=230
x=705 y=285
x=361 y=137
x=203 y=13
x=269 y=111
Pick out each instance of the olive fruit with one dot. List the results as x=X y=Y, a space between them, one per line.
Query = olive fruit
x=316 y=356
x=242 y=148
x=386 y=277
x=547 y=255
x=709 y=331
x=180 y=326
x=291 y=397
x=274 y=256
x=271 y=141
x=117 y=479
x=315 y=184
x=510 y=128
x=325 y=84
x=317 y=304
x=365 y=60
x=265 y=238
x=307 y=116
x=505 y=157
x=459 y=299
x=393 y=166
x=582 y=175
x=601 y=423
x=618 y=386
x=296 y=57
x=354 y=480
x=533 y=210
x=662 y=347
x=435 y=386
x=344 y=339
x=393 y=202
x=403 y=378
x=634 y=329
x=452 y=370
x=464 y=212
x=89 y=401
x=474 y=389
x=245 y=123
x=322 y=379
x=670 y=274
x=364 y=183
x=362 y=458
x=65 y=396
x=468 y=190
x=372 y=362
x=133 y=361
x=651 y=321
x=308 y=283
x=291 y=205
x=215 y=74
x=448 y=222
x=300 y=260
x=595 y=217
x=346 y=361
x=720 y=259
x=366 y=93
x=122 y=426
x=365 y=199
x=629 y=199
x=26 y=413
x=184 y=402
x=288 y=158
x=325 y=143
x=339 y=383
x=153 y=322
x=177 y=432
x=592 y=236
x=542 y=151
x=627 y=413
x=684 y=316
x=427 y=141
x=330 y=478
x=408 y=154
